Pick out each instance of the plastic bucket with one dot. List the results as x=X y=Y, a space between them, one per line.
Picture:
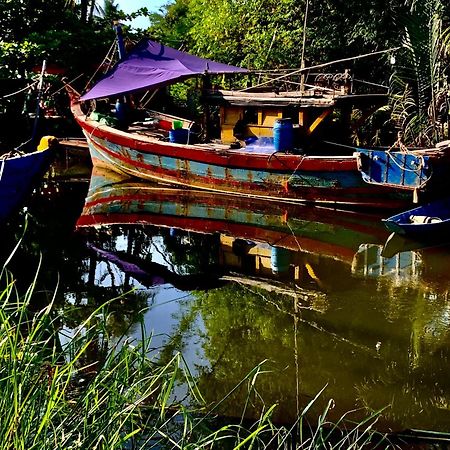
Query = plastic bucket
x=179 y=136
x=177 y=124
x=283 y=135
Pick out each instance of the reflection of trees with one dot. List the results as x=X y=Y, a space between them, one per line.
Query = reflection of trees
x=243 y=330
x=414 y=382
x=191 y=252
x=374 y=341
x=365 y=362
x=66 y=267
x=49 y=234
x=126 y=309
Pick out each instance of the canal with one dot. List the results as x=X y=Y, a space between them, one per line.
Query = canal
x=305 y=298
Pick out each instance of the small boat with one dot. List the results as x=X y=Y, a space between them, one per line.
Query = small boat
x=264 y=146
x=428 y=221
x=19 y=172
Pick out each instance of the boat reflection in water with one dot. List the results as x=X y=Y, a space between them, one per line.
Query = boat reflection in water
x=308 y=290
x=272 y=232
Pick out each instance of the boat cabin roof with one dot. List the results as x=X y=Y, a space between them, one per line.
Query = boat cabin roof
x=310 y=98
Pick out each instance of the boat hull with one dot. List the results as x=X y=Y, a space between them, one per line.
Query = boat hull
x=273 y=176
x=17 y=177
x=433 y=221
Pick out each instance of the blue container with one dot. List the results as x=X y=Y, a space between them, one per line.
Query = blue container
x=280 y=259
x=179 y=136
x=121 y=111
x=283 y=135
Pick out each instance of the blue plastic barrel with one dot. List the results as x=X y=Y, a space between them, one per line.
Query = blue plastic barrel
x=179 y=136
x=121 y=110
x=280 y=259
x=283 y=135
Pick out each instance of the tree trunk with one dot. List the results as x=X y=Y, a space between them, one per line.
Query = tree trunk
x=91 y=11
x=84 y=10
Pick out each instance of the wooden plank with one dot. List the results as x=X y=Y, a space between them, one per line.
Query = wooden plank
x=318 y=121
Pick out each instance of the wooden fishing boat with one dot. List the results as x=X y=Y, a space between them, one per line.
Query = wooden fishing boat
x=19 y=172
x=257 y=155
x=429 y=221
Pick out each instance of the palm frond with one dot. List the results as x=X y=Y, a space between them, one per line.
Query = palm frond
x=419 y=86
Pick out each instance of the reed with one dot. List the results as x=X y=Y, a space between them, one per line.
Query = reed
x=99 y=392
x=92 y=393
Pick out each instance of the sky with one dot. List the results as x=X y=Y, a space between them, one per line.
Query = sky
x=133 y=5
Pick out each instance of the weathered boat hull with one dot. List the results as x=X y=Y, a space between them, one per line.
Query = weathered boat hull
x=273 y=176
x=17 y=177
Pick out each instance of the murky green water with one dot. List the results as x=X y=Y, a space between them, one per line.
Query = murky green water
x=304 y=295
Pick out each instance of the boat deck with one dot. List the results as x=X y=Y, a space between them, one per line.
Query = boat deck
x=152 y=132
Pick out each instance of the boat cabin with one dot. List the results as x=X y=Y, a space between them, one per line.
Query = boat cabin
x=315 y=113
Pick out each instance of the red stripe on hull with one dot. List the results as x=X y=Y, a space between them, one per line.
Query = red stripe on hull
x=361 y=196
x=228 y=158
x=278 y=169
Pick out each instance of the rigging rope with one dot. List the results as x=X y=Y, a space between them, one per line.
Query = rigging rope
x=319 y=66
x=111 y=51
x=404 y=150
x=21 y=90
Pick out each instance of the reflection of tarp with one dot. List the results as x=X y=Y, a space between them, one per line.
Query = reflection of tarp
x=151 y=65
x=152 y=274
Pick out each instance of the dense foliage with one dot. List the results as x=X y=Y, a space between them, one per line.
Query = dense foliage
x=62 y=33
x=258 y=34
x=270 y=34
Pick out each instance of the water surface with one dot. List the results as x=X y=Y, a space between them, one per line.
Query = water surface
x=312 y=297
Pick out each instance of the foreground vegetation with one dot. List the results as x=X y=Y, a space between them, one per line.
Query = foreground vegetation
x=86 y=389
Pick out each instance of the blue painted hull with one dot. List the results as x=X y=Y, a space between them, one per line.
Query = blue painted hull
x=18 y=175
x=426 y=221
x=404 y=170
x=319 y=180
x=276 y=176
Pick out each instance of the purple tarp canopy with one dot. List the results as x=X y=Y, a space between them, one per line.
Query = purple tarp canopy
x=150 y=65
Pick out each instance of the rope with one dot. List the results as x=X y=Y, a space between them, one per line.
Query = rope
x=371 y=84
x=286 y=183
x=21 y=90
x=68 y=83
x=336 y=144
x=103 y=62
x=10 y=154
x=38 y=100
x=404 y=150
x=17 y=149
x=295 y=170
x=305 y=69
x=293 y=235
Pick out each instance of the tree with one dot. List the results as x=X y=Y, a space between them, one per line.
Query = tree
x=269 y=33
x=86 y=8
x=420 y=100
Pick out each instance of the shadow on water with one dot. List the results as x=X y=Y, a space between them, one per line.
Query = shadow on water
x=231 y=282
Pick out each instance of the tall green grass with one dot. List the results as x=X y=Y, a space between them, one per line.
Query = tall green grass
x=97 y=392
